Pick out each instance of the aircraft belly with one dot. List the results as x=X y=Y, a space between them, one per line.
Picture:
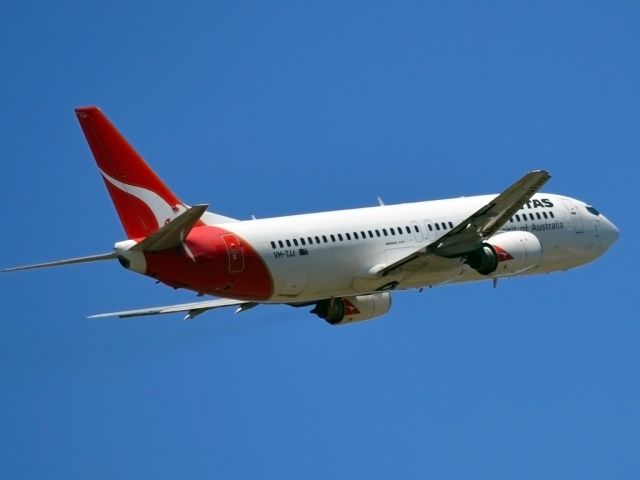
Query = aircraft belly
x=563 y=249
x=437 y=272
x=319 y=274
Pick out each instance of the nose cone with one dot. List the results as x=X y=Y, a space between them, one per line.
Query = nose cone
x=609 y=232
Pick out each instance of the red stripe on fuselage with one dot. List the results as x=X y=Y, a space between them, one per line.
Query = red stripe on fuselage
x=203 y=265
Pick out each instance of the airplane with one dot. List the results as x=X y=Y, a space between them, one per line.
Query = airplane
x=344 y=264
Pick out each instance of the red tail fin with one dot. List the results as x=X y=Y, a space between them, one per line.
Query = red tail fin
x=144 y=203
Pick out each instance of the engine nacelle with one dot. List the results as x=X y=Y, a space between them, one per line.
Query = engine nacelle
x=339 y=311
x=507 y=253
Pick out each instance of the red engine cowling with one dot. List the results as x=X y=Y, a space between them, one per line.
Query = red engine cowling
x=339 y=311
x=506 y=253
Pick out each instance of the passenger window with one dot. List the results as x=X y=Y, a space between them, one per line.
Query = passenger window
x=544 y=214
x=364 y=235
x=288 y=243
x=280 y=243
x=370 y=234
x=551 y=215
x=340 y=237
x=310 y=240
x=415 y=227
x=384 y=231
x=538 y=215
x=355 y=235
x=348 y=236
x=302 y=241
x=324 y=238
x=295 y=242
x=377 y=233
x=450 y=224
x=444 y=226
x=318 y=240
x=333 y=238
x=392 y=230
x=430 y=227
x=408 y=230
x=273 y=245
x=517 y=217
x=531 y=216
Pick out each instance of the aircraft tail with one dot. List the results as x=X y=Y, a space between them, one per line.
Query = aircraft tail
x=143 y=202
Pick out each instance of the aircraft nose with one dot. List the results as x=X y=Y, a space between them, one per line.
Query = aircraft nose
x=611 y=233
x=615 y=233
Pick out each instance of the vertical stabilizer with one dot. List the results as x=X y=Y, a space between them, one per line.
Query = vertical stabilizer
x=143 y=202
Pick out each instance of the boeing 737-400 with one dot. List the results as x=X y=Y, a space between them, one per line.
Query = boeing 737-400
x=343 y=264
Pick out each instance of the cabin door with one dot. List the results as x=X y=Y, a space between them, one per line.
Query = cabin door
x=234 y=253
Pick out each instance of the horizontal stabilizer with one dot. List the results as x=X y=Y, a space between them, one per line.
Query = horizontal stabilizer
x=173 y=233
x=69 y=261
x=192 y=309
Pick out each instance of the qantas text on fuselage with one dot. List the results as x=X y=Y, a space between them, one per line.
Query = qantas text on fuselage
x=343 y=264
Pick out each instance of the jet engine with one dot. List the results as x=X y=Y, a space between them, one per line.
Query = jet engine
x=506 y=254
x=339 y=311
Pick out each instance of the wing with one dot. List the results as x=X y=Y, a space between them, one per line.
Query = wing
x=469 y=235
x=193 y=309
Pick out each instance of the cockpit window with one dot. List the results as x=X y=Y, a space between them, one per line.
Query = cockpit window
x=592 y=210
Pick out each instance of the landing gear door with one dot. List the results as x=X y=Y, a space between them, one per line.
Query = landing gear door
x=574 y=214
x=234 y=253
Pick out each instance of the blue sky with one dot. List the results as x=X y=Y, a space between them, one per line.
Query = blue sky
x=271 y=108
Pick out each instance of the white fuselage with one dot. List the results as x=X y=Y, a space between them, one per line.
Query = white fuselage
x=323 y=255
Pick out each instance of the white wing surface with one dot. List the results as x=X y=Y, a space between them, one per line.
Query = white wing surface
x=193 y=309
